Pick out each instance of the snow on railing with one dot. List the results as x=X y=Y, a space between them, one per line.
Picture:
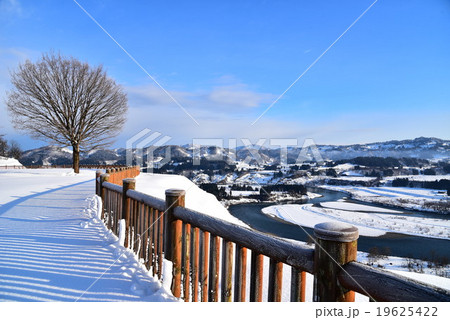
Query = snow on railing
x=68 y=166
x=200 y=245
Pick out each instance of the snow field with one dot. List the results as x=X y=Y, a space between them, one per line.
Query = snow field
x=196 y=198
x=408 y=198
x=54 y=247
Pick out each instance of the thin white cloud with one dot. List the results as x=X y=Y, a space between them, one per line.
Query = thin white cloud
x=10 y=8
x=237 y=96
x=220 y=98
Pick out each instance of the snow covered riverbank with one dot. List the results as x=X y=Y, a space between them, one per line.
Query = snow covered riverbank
x=371 y=222
x=407 y=198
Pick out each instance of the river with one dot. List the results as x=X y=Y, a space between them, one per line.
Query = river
x=399 y=245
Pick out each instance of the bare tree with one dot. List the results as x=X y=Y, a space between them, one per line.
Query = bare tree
x=3 y=146
x=67 y=102
x=14 y=150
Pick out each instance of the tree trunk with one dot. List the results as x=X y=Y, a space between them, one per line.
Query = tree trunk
x=76 y=158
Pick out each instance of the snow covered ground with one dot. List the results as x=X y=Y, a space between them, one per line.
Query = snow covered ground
x=371 y=222
x=196 y=198
x=408 y=198
x=54 y=248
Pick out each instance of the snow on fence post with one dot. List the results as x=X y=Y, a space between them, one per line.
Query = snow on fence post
x=103 y=178
x=173 y=237
x=97 y=182
x=336 y=245
x=127 y=184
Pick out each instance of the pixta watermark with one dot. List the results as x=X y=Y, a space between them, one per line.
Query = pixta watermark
x=150 y=150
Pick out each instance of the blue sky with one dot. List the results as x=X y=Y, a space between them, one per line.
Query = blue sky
x=225 y=62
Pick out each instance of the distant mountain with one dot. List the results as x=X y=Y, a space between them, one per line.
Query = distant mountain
x=49 y=155
x=423 y=148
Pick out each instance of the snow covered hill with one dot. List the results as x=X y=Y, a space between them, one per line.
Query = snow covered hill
x=49 y=155
x=425 y=148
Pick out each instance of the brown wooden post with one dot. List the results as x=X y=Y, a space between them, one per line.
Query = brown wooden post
x=227 y=270
x=127 y=184
x=240 y=279
x=336 y=245
x=275 y=281
x=298 y=285
x=205 y=272
x=174 y=198
x=173 y=236
x=97 y=182
x=214 y=260
x=103 y=178
x=256 y=277
x=195 y=263
x=160 y=242
x=186 y=261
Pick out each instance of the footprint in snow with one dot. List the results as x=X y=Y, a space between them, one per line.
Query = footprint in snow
x=84 y=224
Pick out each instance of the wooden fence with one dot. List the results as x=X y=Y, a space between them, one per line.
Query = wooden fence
x=12 y=167
x=205 y=250
x=64 y=166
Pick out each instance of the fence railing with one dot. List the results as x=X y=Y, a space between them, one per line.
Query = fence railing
x=12 y=167
x=205 y=251
x=64 y=166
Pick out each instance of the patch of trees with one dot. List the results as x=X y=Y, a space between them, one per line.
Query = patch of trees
x=376 y=254
x=373 y=173
x=9 y=149
x=212 y=188
x=209 y=167
x=290 y=188
x=385 y=162
x=443 y=184
x=414 y=162
x=446 y=168
x=242 y=187
x=331 y=172
x=400 y=182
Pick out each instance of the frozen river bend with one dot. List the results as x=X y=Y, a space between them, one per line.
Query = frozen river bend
x=371 y=221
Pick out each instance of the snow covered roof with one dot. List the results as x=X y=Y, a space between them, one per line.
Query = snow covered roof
x=9 y=162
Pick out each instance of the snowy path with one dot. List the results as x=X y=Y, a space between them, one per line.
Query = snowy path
x=53 y=249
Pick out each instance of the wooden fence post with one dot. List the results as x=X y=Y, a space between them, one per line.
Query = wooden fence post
x=97 y=182
x=336 y=245
x=173 y=237
x=127 y=184
x=103 y=178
